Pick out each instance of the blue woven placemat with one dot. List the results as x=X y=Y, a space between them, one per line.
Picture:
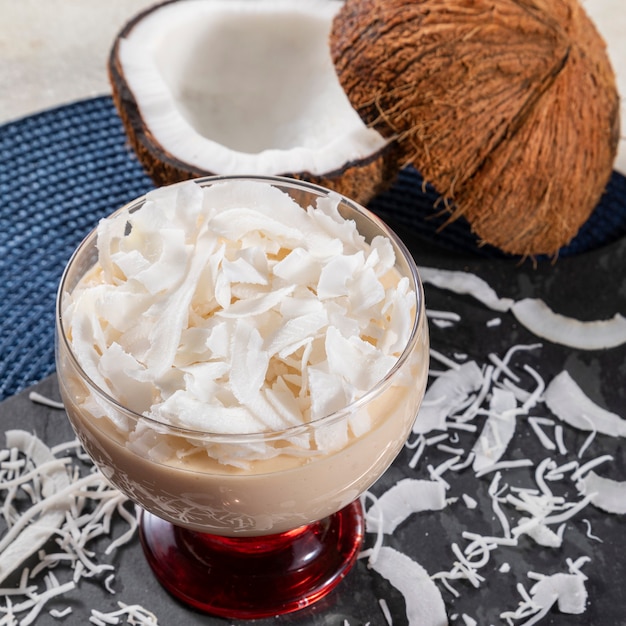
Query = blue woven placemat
x=60 y=172
x=64 y=169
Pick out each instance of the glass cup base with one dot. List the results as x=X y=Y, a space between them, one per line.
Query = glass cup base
x=253 y=577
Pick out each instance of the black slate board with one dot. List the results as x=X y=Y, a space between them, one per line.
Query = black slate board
x=63 y=169
x=587 y=286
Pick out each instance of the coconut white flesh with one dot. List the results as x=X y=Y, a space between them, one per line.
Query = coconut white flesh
x=236 y=87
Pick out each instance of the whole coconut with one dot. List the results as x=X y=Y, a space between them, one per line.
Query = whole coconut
x=508 y=107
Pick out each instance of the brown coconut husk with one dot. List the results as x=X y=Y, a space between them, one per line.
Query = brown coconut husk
x=508 y=107
x=359 y=180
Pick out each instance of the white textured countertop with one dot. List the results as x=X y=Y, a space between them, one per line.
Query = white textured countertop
x=53 y=52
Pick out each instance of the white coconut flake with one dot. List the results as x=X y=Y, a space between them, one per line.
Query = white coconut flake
x=589 y=534
x=470 y=502
x=465 y=283
x=568 y=402
x=604 y=493
x=559 y=437
x=446 y=395
x=500 y=465
x=424 y=604
x=498 y=431
x=442 y=358
x=567 y=591
x=405 y=498
x=583 y=469
x=385 y=611
x=34 y=396
x=546 y=442
x=535 y=315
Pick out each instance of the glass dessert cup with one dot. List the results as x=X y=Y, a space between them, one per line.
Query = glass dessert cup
x=270 y=535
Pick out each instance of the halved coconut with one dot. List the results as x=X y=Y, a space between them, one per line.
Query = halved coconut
x=240 y=87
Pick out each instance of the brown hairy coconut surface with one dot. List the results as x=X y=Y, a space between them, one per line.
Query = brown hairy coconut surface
x=508 y=107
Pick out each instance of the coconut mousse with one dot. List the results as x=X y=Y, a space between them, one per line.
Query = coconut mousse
x=242 y=356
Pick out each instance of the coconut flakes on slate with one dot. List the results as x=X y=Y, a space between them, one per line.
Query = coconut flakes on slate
x=568 y=402
x=446 y=395
x=533 y=313
x=498 y=430
x=134 y=613
x=295 y=312
x=424 y=603
x=461 y=396
x=28 y=532
x=54 y=515
x=407 y=497
x=567 y=591
x=465 y=283
x=605 y=493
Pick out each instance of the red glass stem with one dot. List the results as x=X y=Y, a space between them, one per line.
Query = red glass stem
x=253 y=577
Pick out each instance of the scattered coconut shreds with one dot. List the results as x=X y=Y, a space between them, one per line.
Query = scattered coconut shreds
x=504 y=398
x=135 y=614
x=52 y=512
x=566 y=590
x=33 y=528
x=289 y=312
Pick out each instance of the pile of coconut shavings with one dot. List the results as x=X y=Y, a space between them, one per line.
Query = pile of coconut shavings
x=230 y=309
x=470 y=415
x=57 y=519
